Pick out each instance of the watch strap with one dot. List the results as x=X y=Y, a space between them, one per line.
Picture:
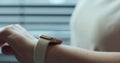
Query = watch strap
x=41 y=46
x=40 y=50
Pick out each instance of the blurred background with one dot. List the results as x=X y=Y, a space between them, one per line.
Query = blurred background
x=49 y=17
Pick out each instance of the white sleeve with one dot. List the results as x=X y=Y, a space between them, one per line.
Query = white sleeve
x=92 y=20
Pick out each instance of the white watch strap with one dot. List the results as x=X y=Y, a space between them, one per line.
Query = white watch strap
x=40 y=51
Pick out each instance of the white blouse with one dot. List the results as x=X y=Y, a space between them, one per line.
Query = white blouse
x=92 y=20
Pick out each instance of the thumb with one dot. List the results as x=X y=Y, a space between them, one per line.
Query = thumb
x=7 y=50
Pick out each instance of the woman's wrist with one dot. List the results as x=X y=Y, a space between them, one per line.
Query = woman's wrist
x=51 y=50
x=44 y=43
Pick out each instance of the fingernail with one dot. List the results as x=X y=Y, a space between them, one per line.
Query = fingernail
x=7 y=50
x=1 y=42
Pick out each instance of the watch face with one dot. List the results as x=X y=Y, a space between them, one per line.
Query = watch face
x=46 y=37
x=56 y=41
x=51 y=39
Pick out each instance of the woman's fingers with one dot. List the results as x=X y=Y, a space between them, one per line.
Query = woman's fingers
x=7 y=50
x=20 y=42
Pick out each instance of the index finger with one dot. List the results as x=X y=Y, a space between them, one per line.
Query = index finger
x=2 y=28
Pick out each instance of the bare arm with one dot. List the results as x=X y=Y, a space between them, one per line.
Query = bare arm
x=21 y=45
x=67 y=54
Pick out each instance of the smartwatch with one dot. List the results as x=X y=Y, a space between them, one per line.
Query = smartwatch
x=41 y=47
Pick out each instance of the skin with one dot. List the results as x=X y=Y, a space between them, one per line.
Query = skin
x=21 y=44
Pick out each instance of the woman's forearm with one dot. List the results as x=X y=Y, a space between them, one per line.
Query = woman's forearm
x=105 y=57
x=67 y=54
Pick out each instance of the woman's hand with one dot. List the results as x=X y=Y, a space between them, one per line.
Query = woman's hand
x=20 y=43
